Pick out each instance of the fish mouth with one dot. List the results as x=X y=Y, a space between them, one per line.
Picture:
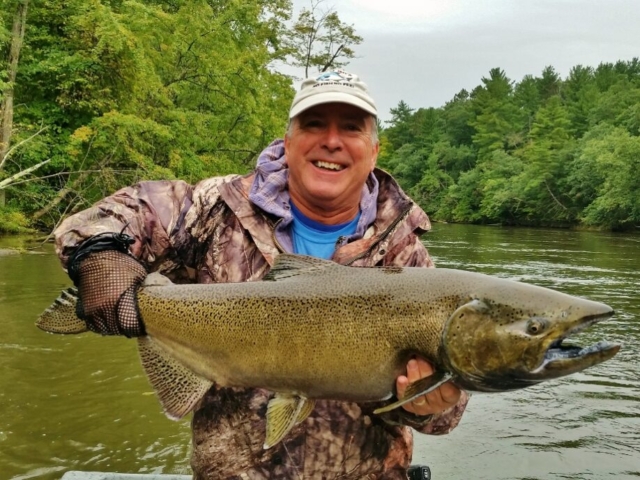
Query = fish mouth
x=564 y=358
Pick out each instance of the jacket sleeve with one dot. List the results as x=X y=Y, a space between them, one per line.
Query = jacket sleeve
x=151 y=212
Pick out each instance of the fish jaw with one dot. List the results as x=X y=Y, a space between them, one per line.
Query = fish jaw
x=565 y=359
x=499 y=346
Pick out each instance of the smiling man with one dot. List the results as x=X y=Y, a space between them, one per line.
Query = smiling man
x=318 y=193
x=330 y=151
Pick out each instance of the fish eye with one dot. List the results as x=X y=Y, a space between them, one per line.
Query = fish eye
x=536 y=326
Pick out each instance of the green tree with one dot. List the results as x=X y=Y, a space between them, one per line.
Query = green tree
x=542 y=183
x=502 y=197
x=457 y=115
x=146 y=89
x=444 y=165
x=549 y=84
x=580 y=95
x=12 y=42
x=498 y=121
x=527 y=98
x=544 y=151
x=399 y=130
x=320 y=40
x=618 y=106
x=463 y=199
x=606 y=180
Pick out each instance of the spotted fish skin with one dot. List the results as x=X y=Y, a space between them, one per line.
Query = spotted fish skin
x=313 y=329
x=321 y=330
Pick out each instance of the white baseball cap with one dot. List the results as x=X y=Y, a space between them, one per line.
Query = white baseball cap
x=336 y=86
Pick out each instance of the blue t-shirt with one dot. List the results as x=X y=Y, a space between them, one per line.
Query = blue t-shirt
x=315 y=238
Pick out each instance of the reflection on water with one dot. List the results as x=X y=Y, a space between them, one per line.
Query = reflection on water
x=586 y=426
x=83 y=403
x=72 y=402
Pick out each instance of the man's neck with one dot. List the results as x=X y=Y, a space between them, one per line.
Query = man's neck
x=327 y=216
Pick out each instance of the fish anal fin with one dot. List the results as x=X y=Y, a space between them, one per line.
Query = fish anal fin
x=417 y=389
x=288 y=265
x=177 y=387
x=283 y=413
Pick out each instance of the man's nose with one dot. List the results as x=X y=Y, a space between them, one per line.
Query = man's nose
x=332 y=139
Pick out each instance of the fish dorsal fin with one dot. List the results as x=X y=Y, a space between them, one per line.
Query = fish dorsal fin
x=288 y=265
x=177 y=387
x=283 y=413
x=417 y=389
x=60 y=316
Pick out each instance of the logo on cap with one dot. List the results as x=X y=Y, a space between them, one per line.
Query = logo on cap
x=336 y=76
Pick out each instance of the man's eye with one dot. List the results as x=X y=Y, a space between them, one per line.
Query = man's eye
x=353 y=127
x=312 y=124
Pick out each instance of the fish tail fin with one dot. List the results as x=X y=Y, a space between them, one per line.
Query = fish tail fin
x=177 y=387
x=60 y=317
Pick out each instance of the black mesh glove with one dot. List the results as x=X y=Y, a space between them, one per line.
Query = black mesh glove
x=107 y=278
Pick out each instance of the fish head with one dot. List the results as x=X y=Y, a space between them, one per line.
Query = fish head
x=511 y=335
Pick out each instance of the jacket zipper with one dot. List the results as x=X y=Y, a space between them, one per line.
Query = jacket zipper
x=384 y=235
x=273 y=236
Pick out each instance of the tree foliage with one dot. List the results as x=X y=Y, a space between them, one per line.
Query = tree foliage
x=124 y=90
x=320 y=40
x=542 y=151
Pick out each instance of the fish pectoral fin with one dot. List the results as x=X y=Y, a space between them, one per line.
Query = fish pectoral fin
x=306 y=409
x=283 y=413
x=417 y=389
x=177 y=387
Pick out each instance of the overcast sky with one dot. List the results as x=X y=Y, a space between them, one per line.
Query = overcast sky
x=425 y=51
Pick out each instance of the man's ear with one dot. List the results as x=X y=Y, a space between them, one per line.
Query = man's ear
x=374 y=158
x=286 y=147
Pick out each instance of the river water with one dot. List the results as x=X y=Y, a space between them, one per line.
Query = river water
x=83 y=403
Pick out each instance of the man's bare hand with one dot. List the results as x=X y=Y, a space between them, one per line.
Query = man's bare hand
x=437 y=401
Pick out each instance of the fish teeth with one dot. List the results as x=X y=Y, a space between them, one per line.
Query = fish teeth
x=601 y=345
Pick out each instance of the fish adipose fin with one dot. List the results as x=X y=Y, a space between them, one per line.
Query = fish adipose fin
x=177 y=387
x=61 y=316
x=283 y=413
x=288 y=265
x=417 y=389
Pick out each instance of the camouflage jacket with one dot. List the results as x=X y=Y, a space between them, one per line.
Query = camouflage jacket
x=211 y=232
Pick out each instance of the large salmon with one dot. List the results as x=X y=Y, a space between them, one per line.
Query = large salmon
x=314 y=329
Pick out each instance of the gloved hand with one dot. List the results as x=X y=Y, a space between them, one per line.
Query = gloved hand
x=107 y=278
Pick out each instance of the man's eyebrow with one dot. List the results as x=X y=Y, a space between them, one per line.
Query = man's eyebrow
x=352 y=118
x=307 y=116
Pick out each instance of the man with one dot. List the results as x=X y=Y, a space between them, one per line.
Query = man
x=318 y=193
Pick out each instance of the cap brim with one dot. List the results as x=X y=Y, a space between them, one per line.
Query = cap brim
x=331 y=97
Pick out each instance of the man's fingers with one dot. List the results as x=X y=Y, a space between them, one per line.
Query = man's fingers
x=417 y=369
x=435 y=401
x=401 y=385
x=450 y=393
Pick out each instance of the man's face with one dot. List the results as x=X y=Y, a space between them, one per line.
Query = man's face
x=330 y=154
